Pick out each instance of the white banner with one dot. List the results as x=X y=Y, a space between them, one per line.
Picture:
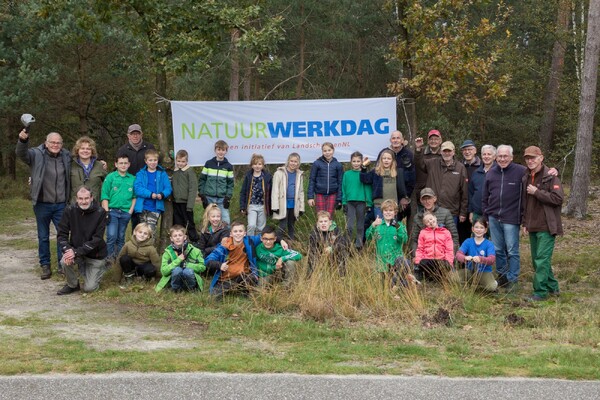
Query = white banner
x=278 y=128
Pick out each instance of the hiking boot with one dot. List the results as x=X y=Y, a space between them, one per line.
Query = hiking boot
x=46 y=272
x=535 y=298
x=555 y=294
x=129 y=278
x=512 y=287
x=68 y=290
x=502 y=281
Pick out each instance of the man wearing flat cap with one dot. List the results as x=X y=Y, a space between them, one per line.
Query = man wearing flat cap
x=471 y=163
x=542 y=199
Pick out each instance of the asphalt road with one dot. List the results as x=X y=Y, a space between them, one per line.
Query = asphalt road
x=286 y=386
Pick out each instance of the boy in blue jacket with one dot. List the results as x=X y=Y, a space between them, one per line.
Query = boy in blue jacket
x=152 y=187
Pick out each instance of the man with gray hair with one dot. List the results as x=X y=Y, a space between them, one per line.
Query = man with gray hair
x=488 y=157
x=50 y=172
x=81 y=239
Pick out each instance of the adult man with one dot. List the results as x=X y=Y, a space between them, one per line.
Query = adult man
x=543 y=198
x=81 y=238
x=135 y=148
x=476 y=181
x=448 y=178
x=471 y=163
x=50 y=171
x=444 y=219
x=431 y=151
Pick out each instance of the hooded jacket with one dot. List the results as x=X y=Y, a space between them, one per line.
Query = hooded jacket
x=140 y=186
x=83 y=231
x=170 y=261
x=140 y=252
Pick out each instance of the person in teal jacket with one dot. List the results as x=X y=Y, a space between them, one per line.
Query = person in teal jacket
x=181 y=264
x=273 y=262
x=152 y=187
x=389 y=236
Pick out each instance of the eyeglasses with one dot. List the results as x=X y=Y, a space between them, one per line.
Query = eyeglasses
x=269 y=239
x=54 y=143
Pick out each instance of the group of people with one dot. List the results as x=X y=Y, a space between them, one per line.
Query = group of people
x=451 y=208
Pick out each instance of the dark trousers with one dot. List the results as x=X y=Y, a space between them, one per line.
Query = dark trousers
x=287 y=224
x=431 y=269
x=185 y=218
x=130 y=268
x=355 y=218
x=240 y=284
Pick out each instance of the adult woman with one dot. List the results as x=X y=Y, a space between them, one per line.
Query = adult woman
x=86 y=169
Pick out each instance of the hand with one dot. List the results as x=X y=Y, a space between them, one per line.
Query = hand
x=226 y=203
x=531 y=189
x=468 y=258
x=284 y=245
x=224 y=267
x=68 y=257
x=477 y=259
x=311 y=202
x=405 y=201
x=471 y=217
x=243 y=211
x=224 y=241
x=104 y=165
x=23 y=135
x=366 y=162
x=553 y=172
x=525 y=231
x=338 y=205
x=159 y=196
x=181 y=256
x=418 y=143
x=462 y=218
x=279 y=263
x=377 y=221
x=153 y=196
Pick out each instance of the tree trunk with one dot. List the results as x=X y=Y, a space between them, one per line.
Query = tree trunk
x=166 y=221
x=299 y=90
x=246 y=82
x=577 y=205
x=556 y=72
x=234 y=80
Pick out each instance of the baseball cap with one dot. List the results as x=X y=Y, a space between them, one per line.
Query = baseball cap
x=133 y=128
x=467 y=143
x=434 y=132
x=533 y=151
x=427 y=192
x=448 y=145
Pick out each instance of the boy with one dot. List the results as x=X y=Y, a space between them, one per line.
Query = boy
x=356 y=198
x=152 y=187
x=181 y=263
x=118 y=201
x=273 y=261
x=216 y=181
x=327 y=242
x=236 y=256
x=185 y=192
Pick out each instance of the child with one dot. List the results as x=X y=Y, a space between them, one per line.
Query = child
x=325 y=182
x=273 y=262
x=236 y=262
x=356 y=198
x=387 y=180
x=185 y=192
x=255 y=195
x=287 y=196
x=213 y=230
x=181 y=263
x=138 y=256
x=215 y=184
x=118 y=201
x=478 y=255
x=327 y=242
x=152 y=187
x=435 y=250
x=389 y=235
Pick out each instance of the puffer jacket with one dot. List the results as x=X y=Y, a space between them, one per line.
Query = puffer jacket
x=140 y=253
x=435 y=244
x=325 y=178
x=444 y=219
x=140 y=186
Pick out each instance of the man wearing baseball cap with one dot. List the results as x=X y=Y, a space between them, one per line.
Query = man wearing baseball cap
x=135 y=148
x=543 y=198
x=432 y=150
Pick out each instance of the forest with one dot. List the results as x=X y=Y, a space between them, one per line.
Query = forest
x=488 y=70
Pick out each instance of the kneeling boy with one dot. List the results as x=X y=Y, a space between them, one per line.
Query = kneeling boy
x=274 y=263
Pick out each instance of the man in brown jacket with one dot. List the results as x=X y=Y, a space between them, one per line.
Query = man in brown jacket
x=543 y=198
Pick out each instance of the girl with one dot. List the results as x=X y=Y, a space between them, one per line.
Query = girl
x=255 y=195
x=138 y=256
x=478 y=255
x=86 y=170
x=287 y=196
x=387 y=180
x=212 y=231
x=435 y=250
x=389 y=235
x=325 y=182
x=356 y=198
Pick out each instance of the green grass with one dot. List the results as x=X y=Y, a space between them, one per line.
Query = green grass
x=352 y=325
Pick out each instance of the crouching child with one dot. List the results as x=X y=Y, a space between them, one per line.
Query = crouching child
x=182 y=264
x=139 y=256
x=327 y=244
x=273 y=262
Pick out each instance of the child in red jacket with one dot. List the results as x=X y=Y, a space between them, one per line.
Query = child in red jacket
x=435 y=250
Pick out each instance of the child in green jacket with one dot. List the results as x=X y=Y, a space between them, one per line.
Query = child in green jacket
x=389 y=235
x=181 y=264
x=273 y=262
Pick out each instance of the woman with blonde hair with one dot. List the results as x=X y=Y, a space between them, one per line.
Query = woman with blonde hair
x=86 y=169
x=212 y=231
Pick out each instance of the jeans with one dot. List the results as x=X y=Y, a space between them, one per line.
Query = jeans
x=219 y=202
x=183 y=278
x=506 y=242
x=257 y=219
x=90 y=269
x=115 y=231
x=46 y=213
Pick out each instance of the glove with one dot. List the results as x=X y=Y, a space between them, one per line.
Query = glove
x=338 y=206
x=369 y=209
x=226 y=202
x=345 y=207
x=243 y=211
x=204 y=201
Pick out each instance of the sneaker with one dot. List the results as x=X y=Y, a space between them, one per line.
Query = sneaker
x=502 y=281
x=46 y=272
x=68 y=290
